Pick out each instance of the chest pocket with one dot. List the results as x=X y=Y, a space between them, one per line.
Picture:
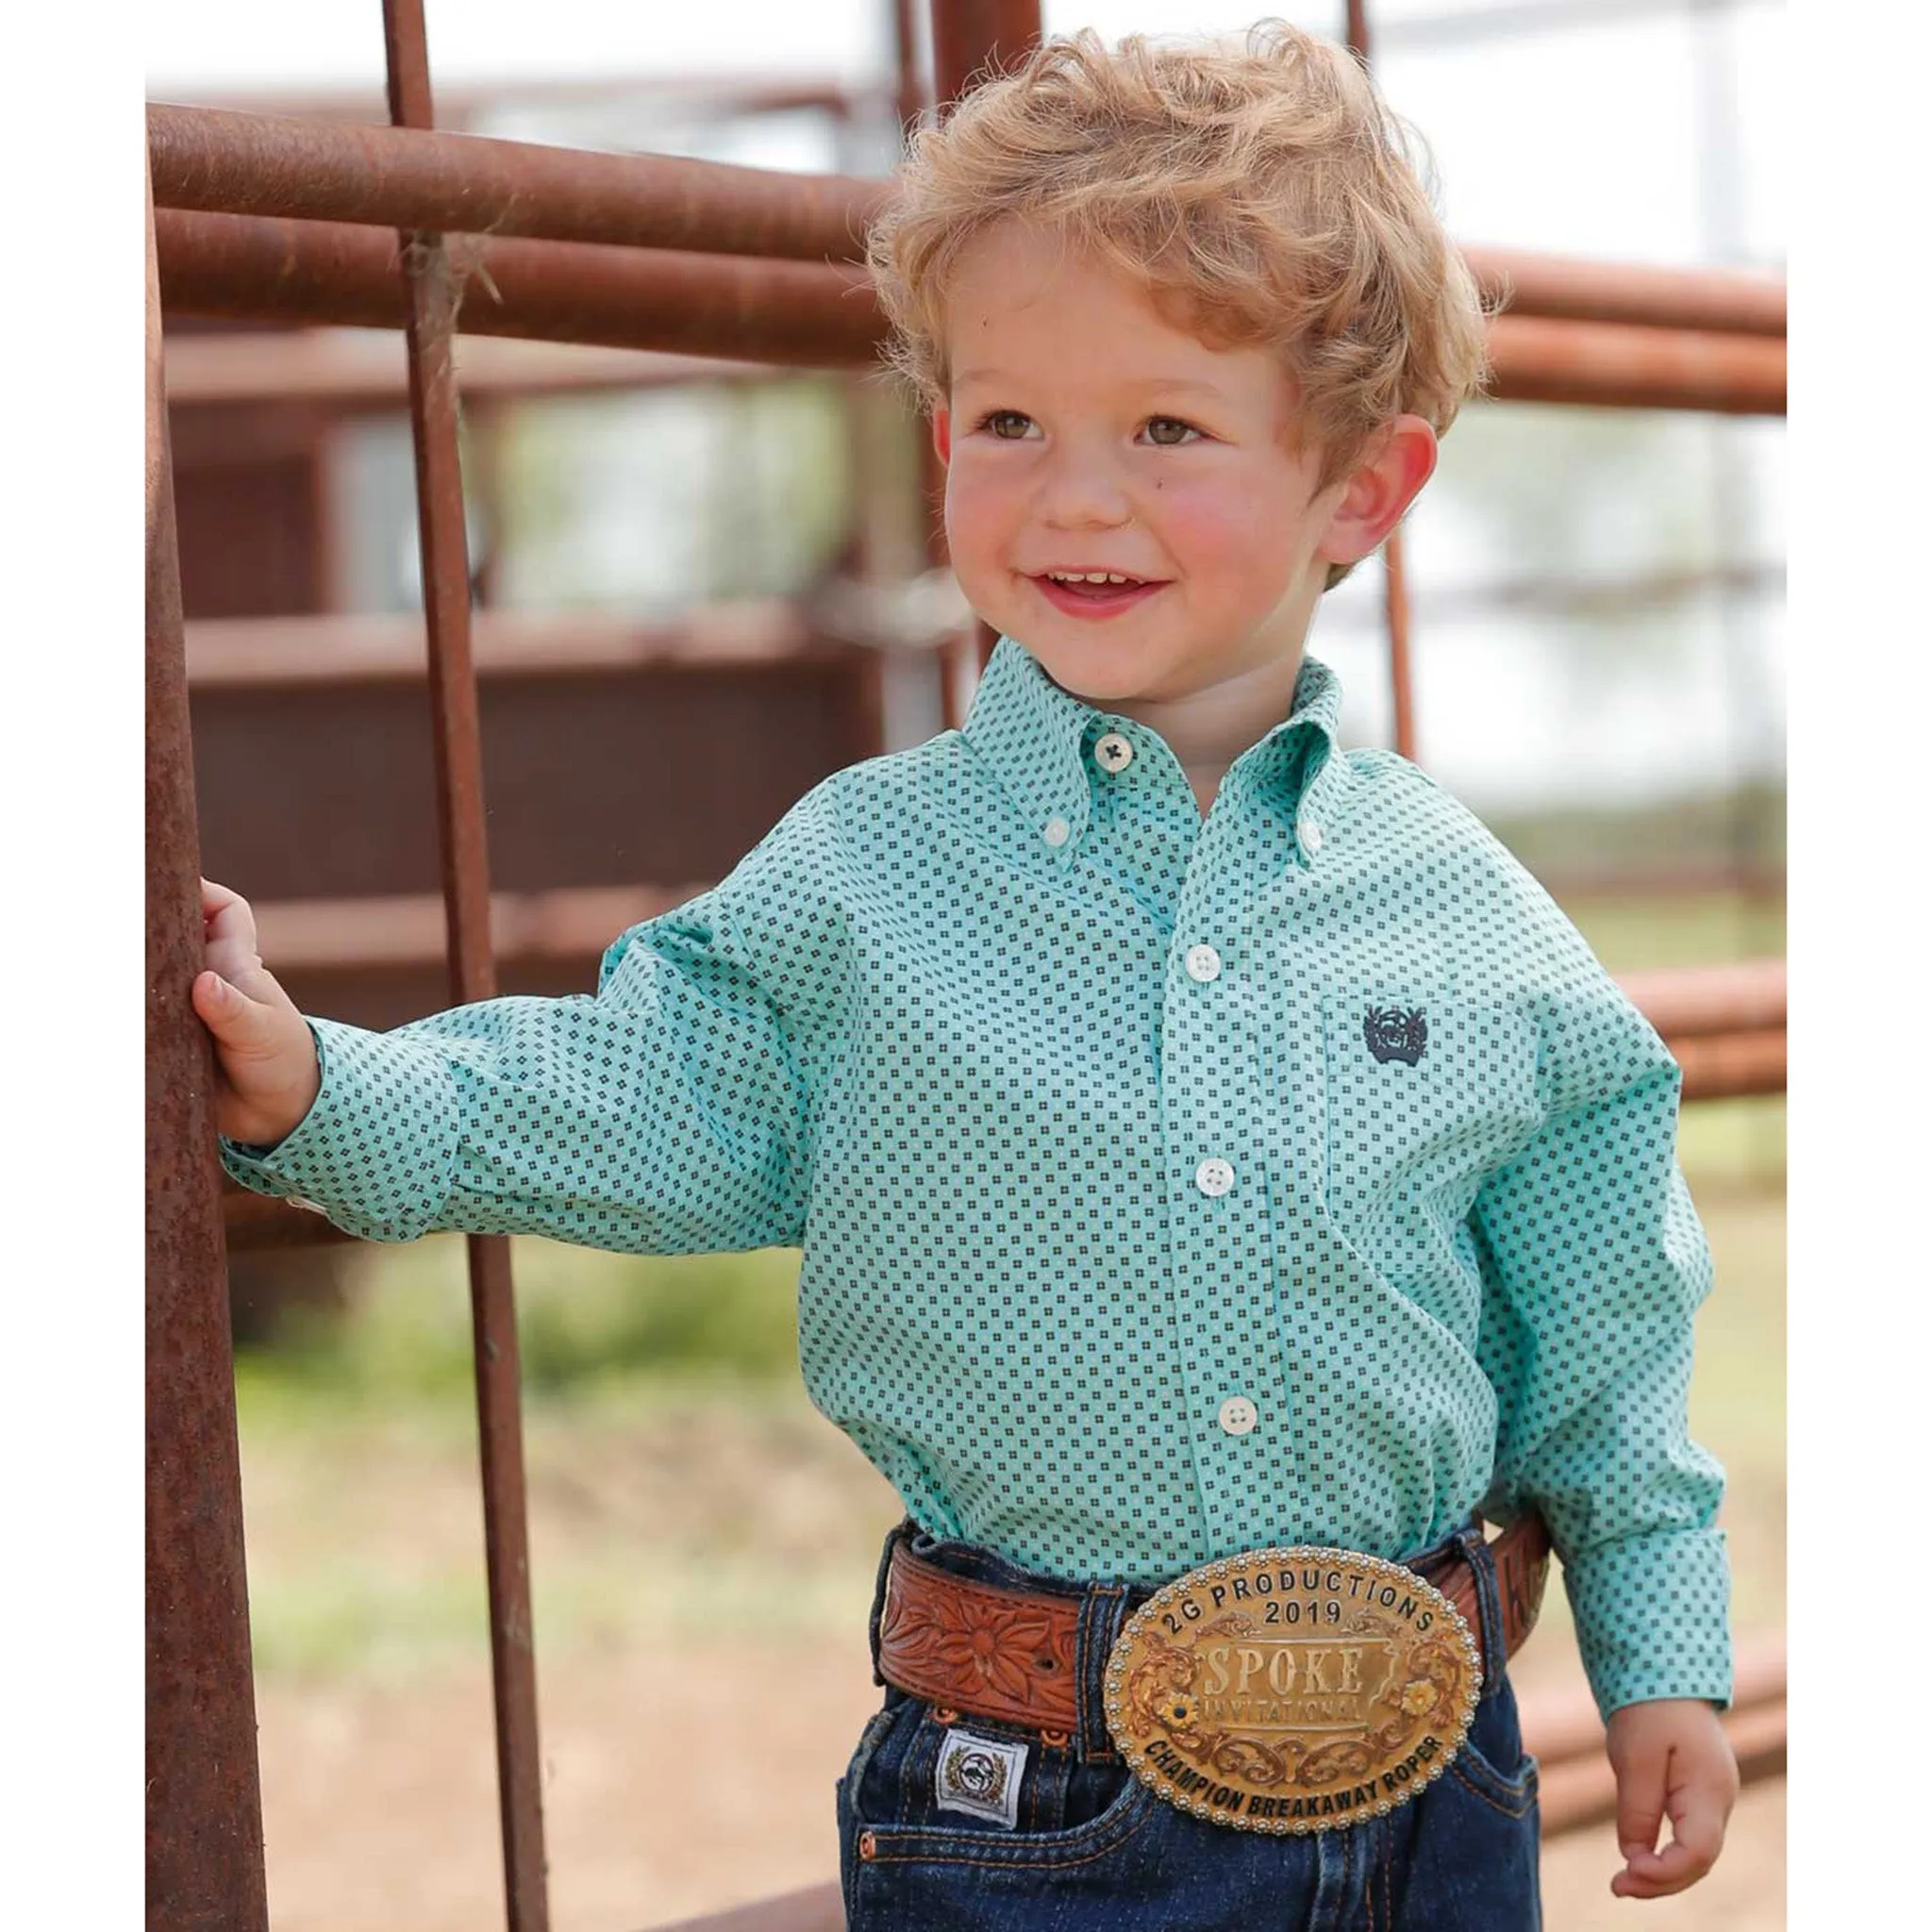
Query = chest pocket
x=1425 y=1095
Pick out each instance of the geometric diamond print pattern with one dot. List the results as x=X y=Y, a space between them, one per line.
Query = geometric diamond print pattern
x=1394 y=1187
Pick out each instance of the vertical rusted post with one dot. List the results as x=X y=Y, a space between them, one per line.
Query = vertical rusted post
x=204 y=1790
x=429 y=332
x=970 y=39
x=1395 y=614
x=951 y=660
x=1394 y=564
x=909 y=83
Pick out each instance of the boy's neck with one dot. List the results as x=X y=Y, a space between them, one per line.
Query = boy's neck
x=1208 y=729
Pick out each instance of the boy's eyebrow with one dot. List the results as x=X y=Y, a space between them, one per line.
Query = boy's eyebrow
x=1147 y=383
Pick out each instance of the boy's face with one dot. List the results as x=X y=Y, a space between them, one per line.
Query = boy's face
x=1085 y=434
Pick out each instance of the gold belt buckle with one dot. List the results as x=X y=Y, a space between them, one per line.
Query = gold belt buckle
x=1292 y=1689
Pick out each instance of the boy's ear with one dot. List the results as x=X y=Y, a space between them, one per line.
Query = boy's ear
x=1376 y=492
x=942 y=434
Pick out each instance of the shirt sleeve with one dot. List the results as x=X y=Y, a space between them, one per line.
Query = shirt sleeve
x=1593 y=1263
x=668 y=1113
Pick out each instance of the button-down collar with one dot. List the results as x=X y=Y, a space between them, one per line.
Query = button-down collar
x=1035 y=737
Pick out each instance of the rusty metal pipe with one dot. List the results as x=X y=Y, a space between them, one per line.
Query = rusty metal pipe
x=432 y=293
x=731 y=307
x=212 y=159
x=216 y=161
x=204 y=1793
x=368 y=375
x=1695 y=1002
x=819 y=317
x=974 y=40
x=1396 y=602
x=1621 y=366
x=1722 y=301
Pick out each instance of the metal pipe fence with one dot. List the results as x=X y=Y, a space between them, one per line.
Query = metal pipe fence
x=270 y=217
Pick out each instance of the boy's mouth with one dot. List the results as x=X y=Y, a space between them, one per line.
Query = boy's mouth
x=1079 y=596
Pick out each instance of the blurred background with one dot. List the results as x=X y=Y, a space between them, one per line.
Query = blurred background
x=700 y=586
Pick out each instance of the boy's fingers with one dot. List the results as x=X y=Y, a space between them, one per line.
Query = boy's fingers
x=1698 y=1811
x=1641 y=1800
x=1681 y=1863
x=240 y=1024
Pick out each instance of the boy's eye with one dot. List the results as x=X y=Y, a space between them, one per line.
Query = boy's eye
x=1009 y=425
x=1160 y=430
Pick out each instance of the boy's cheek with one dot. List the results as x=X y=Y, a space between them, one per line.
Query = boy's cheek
x=979 y=536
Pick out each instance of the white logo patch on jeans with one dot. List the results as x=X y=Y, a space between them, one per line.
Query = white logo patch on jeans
x=980 y=1777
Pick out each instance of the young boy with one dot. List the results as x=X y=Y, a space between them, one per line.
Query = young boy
x=1220 y=1169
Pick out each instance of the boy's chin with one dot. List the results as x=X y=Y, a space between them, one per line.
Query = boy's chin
x=1078 y=674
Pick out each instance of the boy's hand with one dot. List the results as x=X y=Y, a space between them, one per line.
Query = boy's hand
x=267 y=1072
x=1670 y=1756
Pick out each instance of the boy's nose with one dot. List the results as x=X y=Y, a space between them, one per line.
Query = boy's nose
x=1083 y=494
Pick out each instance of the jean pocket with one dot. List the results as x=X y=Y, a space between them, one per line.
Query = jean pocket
x=1492 y=1764
x=1472 y=1845
x=1063 y=1807
x=1513 y=1793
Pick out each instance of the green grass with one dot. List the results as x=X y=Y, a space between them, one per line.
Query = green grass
x=582 y=1318
x=1631 y=934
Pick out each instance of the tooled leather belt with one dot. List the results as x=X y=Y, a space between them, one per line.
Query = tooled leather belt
x=1012 y=1657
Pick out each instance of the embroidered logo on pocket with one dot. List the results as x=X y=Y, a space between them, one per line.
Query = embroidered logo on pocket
x=979 y=1777
x=1395 y=1033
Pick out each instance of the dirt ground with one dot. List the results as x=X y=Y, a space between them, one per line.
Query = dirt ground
x=661 y=1801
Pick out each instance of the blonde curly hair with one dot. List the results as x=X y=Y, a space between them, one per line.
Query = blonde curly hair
x=1264 y=196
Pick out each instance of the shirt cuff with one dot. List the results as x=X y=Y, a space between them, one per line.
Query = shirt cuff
x=1653 y=1618
x=377 y=1150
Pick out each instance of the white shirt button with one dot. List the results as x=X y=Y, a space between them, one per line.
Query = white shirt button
x=1310 y=833
x=1204 y=963
x=1055 y=831
x=1114 y=752
x=1239 y=1415
x=1214 y=1178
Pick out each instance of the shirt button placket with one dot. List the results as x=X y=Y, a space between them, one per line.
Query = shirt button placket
x=1224 y=1304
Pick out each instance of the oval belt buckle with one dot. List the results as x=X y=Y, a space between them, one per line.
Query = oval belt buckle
x=1292 y=1689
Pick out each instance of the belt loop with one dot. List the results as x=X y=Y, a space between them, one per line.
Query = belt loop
x=901 y=1533
x=1099 y=1623
x=1488 y=1607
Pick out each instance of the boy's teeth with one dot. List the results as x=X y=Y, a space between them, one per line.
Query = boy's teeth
x=1090 y=577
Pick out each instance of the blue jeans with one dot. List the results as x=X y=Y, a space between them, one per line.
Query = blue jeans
x=1091 y=1849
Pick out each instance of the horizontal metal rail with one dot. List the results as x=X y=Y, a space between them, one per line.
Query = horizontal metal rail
x=266 y=652
x=738 y=307
x=213 y=160
x=1564 y=288
x=1694 y=1002
x=349 y=375
x=1539 y=360
x=404 y=930
x=817 y=316
x=396 y=177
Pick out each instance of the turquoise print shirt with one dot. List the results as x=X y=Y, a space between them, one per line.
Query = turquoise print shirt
x=1166 y=1186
